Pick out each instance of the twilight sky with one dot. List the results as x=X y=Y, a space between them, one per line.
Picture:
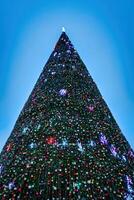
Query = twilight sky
x=102 y=32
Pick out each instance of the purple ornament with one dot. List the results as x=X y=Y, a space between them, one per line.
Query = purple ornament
x=91 y=108
x=130 y=154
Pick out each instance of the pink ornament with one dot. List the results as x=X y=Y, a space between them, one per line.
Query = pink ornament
x=8 y=148
x=90 y=108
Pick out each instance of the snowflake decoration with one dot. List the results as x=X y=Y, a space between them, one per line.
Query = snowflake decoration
x=63 y=92
x=32 y=145
x=80 y=148
x=103 y=139
x=91 y=143
x=113 y=150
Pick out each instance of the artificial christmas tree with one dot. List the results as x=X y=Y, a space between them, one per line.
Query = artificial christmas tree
x=66 y=144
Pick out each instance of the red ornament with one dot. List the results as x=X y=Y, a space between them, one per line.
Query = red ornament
x=51 y=140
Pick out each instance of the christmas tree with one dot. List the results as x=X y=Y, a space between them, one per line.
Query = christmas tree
x=65 y=144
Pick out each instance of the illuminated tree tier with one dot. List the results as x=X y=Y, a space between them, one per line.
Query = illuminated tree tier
x=66 y=144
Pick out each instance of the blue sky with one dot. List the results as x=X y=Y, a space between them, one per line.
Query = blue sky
x=102 y=31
